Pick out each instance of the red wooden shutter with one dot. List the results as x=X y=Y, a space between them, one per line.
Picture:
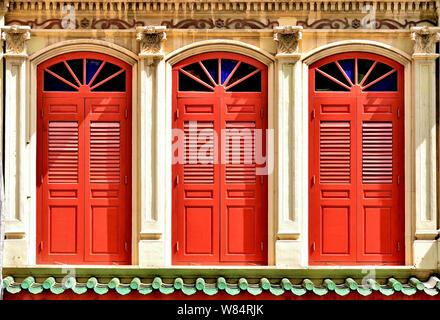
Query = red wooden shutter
x=62 y=178
x=242 y=204
x=198 y=190
x=83 y=160
x=356 y=154
x=380 y=206
x=106 y=179
x=219 y=209
x=333 y=179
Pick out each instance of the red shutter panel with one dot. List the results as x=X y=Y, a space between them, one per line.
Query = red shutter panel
x=62 y=179
x=356 y=197
x=377 y=152
x=197 y=183
x=105 y=154
x=332 y=180
x=243 y=203
x=219 y=208
x=334 y=152
x=83 y=160
x=381 y=189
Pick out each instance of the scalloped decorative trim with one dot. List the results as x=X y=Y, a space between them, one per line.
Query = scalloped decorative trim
x=413 y=285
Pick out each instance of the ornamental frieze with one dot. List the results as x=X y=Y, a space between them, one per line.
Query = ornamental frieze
x=228 y=23
x=346 y=23
x=220 y=24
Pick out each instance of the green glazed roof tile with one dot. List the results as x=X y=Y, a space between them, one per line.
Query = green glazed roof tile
x=210 y=289
x=287 y=285
x=145 y=288
x=364 y=290
x=329 y=284
x=255 y=290
x=123 y=289
x=178 y=283
x=189 y=289
x=166 y=288
x=386 y=290
x=417 y=283
x=35 y=288
x=342 y=290
x=276 y=289
x=232 y=287
x=320 y=290
x=79 y=288
x=57 y=288
x=408 y=290
x=298 y=290
x=101 y=288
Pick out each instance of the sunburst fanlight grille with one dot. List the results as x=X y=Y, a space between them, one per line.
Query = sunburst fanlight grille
x=343 y=74
x=233 y=75
x=98 y=75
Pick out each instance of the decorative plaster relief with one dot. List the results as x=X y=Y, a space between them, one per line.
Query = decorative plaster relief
x=425 y=39
x=356 y=23
x=15 y=37
x=288 y=38
x=201 y=24
x=151 y=38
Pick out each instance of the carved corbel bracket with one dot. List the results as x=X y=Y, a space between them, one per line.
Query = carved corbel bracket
x=288 y=38
x=151 y=39
x=15 y=37
x=425 y=39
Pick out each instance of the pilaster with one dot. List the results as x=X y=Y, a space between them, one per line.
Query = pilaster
x=152 y=124
x=424 y=101
x=16 y=60
x=292 y=197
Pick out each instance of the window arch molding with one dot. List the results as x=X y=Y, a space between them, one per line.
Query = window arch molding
x=91 y=45
x=356 y=45
x=220 y=45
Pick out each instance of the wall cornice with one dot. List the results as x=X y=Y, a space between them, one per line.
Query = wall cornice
x=204 y=6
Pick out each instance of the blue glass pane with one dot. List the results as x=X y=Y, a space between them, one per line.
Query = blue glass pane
x=77 y=68
x=227 y=67
x=107 y=70
x=379 y=70
x=61 y=70
x=242 y=71
x=116 y=84
x=322 y=83
x=388 y=83
x=212 y=68
x=52 y=83
x=91 y=67
x=188 y=84
x=251 y=84
x=332 y=70
x=348 y=67
x=363 y=66
x=197 y=71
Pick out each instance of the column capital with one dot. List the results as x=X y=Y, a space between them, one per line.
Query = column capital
x=151 y=39
x=288 y=38
x=425 y=39
x=15 y=37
